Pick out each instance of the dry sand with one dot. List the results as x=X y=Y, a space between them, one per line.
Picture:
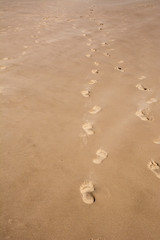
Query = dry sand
x=51 y=51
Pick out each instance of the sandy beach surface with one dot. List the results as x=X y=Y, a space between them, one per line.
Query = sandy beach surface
x=79 y=120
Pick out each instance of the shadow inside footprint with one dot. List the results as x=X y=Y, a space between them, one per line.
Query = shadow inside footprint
x=144 y=114
x=141 y=87
x=94 y=71
x=104 y=44
x=119 y=69
x=107 y=54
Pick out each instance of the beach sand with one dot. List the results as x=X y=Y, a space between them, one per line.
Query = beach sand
x=79 y=85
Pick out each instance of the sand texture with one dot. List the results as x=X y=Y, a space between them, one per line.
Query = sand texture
x=79 y=120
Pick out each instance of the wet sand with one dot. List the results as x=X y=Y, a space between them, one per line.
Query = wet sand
x=79 y=106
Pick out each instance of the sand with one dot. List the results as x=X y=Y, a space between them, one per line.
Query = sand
x=59 y=59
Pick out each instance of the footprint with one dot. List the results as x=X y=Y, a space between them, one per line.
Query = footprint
x=152 y=100
x=88 y=128
x=86 y=190
x=3 y=67
x=96 y=63
x=95 y=110
x=142 y=77
x=111 y=49
x=121 y=61
x=94 y=71
x=88 y=55
x=107 y=54
x=93 y=50
x=144 y=114
x=84 y=138
x=89 y=39
x=157 y=140
x=104 y=44
x=100 y=29
x=85 y=93
x=24 y=53
x=119 y=69
x=101 y=155
x=88 y=44
x=141 y=87
x=2 y=90
x=155 y=168
x=92 y=82
x=5 y=59
x=84 y=35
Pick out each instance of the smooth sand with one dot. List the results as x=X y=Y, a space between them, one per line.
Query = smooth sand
x=46 y=61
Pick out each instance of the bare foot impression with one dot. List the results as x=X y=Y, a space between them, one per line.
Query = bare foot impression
x=101 y=155
x=2 y=90
x=94 y=71
x=111 y=49
x=152 y=100
x=104 y=44
x=86 y=190
x=96 y=63
x=3 y=67
x=119 y=69
x=88 y=55
x=93 y=50
x=155 y=168
x=95 y=110
x=121 y=61
x=5 y=59
x=92 y=82
x=107 y=54
x=142 y=77
x=144 y=114
x=157 y=140
x=88 y=128
x=85 y=93
x=24 y=53
x=141 y=87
